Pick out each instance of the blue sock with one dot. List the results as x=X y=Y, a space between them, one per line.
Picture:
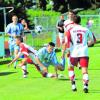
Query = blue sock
x=63 y=62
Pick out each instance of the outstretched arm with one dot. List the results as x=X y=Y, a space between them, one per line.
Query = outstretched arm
x=17 y=56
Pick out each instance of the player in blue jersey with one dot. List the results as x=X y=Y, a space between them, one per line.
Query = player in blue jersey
x=46 y=56
x=14 y=29
x=41 y=60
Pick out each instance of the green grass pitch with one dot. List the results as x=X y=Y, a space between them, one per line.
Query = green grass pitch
x=14 y=87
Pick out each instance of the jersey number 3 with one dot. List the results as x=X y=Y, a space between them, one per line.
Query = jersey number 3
x=79 y=38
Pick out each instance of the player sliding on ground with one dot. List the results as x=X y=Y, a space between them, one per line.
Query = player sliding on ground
x=79 y=36
x=41 y=59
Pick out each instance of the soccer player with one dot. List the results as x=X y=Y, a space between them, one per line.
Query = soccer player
x=27 y=52
x=14 y=29
x=41 y=60
x=47 y=57
x=69 y=22
x=79 y=36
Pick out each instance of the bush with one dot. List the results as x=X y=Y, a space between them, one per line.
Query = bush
x=90 y=12
x=39 y=13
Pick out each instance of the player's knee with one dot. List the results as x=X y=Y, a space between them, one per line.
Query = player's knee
x=61 y=68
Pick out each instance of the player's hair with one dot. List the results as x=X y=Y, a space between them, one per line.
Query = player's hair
x=14 y=16
x=74 y=12
x=77 y=19
x=19 y=38
x=51 y=44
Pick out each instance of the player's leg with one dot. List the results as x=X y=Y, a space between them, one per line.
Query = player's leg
x=11 y=49
x=61 y=37
x=16 y=50
x=84 y=64
x=24 y=67
x=31 y=60
x=71 y=63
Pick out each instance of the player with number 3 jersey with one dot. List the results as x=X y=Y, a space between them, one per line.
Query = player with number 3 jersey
x=78 y=36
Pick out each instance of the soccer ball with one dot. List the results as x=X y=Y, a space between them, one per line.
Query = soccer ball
x=38 y=29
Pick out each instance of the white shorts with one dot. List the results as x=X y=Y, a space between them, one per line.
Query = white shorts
x=61 y=37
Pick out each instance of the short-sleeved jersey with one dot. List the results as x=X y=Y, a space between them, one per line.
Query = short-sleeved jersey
x=79 y=36
x=46 y=57
x=25 y=50
x=68 y=24
x=61 y=24
x=14 y=29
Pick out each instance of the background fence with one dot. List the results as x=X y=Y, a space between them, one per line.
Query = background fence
x=49 y=32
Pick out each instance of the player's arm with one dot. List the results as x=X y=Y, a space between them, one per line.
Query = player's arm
x=57 y=66
x=58 y=27
x=17 y=56
x=91 y=38
x=23 y=62
x=66 y=45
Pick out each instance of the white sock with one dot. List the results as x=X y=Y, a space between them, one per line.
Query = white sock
x=85 y=78
x=24 y=68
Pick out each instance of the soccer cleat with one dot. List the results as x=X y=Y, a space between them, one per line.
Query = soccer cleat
x=27 y=73
x=85 y=90
x=74 y=90
x=24 y=76
x=73 y=86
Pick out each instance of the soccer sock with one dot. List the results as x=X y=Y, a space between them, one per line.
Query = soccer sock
x=63 y=62
x=71 y=74
x=85 y=80
x=72 y=77
x=24 y=68
x=37 y=67
x=44 y=74
x=15 y=64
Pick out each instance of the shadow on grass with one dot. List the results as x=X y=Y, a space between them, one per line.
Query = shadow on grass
x=95 y=69
x=66 y=79
x=63 y=79
x=6 y=73
x=94 y=91
x=5 y=62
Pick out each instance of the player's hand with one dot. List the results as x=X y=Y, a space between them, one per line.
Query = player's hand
x=61 y=28
x=20 y=65
x=8 y=65
x=63 y=56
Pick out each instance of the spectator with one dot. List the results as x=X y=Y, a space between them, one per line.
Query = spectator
x=24 y=23
x=90 y=23
x=60 y=27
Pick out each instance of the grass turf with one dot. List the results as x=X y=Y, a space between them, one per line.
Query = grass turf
x=14 y=87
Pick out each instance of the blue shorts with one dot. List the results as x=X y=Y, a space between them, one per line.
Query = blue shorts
x=48 y=64
x=13 y=47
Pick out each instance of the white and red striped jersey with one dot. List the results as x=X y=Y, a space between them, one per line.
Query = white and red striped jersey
x=68 y=24
x=79 y=36
x=25 y=49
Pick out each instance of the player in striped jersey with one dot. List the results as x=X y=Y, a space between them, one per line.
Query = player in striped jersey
x=79 y=36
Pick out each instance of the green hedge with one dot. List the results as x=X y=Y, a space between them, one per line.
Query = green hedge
x=39 y=13
x=90 y=12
